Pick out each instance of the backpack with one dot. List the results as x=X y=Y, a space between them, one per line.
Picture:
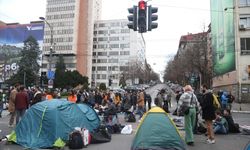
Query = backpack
x=76 y=140
x=216 y=102
x=131 y=117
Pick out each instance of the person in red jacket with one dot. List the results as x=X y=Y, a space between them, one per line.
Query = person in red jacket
x=21 y=103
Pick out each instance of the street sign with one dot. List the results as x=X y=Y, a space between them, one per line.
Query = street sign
x=51 y=75
x=50 y=83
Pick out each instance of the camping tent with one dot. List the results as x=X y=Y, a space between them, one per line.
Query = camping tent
x=157 y=132
x=47 y=121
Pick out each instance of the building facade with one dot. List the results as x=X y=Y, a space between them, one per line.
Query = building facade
x=70 y=23
x=115 y=50
x=233 y=42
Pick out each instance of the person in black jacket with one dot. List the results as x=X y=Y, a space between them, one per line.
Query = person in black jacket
x=208 y=113
x=233 y=127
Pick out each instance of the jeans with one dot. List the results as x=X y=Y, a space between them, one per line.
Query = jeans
x=140 y=111
x=220 y=129
x=19 y=114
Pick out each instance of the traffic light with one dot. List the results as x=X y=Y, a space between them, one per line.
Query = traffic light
x=132 y=18
x=142 y=16
x=152 y=17
x=110 y=82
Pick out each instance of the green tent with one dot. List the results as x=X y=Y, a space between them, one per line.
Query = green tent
x=157 y=132
x=48 y=123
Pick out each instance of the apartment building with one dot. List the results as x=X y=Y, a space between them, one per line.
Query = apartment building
x=230 y=33
x=115 y=49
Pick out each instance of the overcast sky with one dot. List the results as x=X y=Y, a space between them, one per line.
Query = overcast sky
x=176 y=18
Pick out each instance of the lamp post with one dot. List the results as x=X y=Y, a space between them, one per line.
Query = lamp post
x=51 y=41
x=51 y=50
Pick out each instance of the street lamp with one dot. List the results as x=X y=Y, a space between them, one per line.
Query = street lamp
x=51 y=41
x=51 y=46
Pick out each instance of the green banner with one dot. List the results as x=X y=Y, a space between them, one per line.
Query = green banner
x=223 y=36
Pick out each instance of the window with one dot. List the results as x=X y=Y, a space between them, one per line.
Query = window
x=124 y=30
x=94 y=46
x=124 y=45
x=103 y=32
x=102 y=25
x=103 y=76
x=124 y=52
x=116 y=38
x=101 y=60
x=101 y=68
x=94 y=53
x=244 y=2
x=103 y=39
x=114 y=45
x=102 y=46
x=112 y=60
x=93 y=68
x=114 y=31
x=102 y=53
x=245 y=45
x=245 y=21
x=115 y=53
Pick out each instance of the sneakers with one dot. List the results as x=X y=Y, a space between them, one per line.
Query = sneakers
x=210 y=141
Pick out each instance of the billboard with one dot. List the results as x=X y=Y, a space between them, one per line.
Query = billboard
x=223 y=36
x=11 y=43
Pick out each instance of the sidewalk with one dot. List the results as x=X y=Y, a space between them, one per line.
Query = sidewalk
x=241 y=108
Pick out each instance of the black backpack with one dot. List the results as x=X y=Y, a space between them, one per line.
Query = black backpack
x=76 y=140
x=131 y=117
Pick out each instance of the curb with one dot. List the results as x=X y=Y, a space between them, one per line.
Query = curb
x=240 y=111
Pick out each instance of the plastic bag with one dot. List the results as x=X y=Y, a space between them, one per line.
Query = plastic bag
x=127 y=129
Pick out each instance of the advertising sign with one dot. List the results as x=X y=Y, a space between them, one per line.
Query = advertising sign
x=11 y=44
x=223 y=36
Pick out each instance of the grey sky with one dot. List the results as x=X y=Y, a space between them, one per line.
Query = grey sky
x=176 y=18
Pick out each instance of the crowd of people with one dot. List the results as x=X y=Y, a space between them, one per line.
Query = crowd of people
x=215 y=110
x=109 y=102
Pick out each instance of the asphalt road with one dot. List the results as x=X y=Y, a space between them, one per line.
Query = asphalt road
x=123 y=142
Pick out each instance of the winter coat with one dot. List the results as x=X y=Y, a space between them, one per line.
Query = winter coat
x=12 y=99
x=140 y=100
x=22 y=100
x=208 y=110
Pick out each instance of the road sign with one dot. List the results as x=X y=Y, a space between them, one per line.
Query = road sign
x=51 y=75
x=50 y=83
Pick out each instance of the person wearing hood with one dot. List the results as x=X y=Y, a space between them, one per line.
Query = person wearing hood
x=189 y=99
x=224 y=100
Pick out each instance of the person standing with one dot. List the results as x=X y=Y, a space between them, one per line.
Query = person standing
x=148 y=98
x=140 y=102
x=208 y=113
x=21 y=103
x=37 y=97
x=231 y=99
x=189 y=99
x=11 y=107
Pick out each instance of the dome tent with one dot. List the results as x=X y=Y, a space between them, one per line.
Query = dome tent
x=46 y=122
x=157 y=131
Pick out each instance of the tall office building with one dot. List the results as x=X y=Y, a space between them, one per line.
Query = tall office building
x=115 y=49
x=70 y=24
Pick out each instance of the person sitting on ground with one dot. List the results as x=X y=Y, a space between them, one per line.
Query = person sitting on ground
x=220 y=124
x=233 y=127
